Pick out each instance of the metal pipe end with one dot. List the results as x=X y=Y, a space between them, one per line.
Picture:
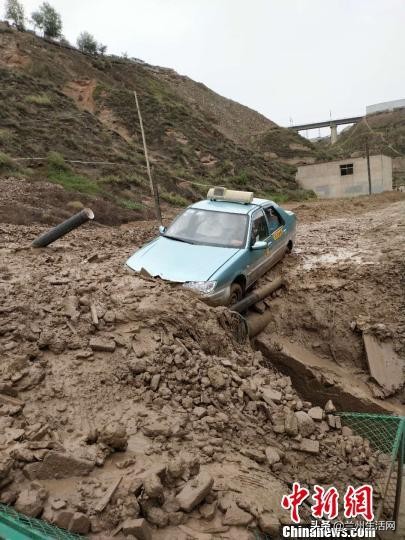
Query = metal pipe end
x=89 y=212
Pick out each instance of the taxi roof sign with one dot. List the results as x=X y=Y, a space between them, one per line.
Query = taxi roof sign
x=219 y=193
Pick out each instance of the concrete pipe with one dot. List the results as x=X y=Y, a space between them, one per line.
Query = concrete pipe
x=63 y=228
x=257 y=295
x=256 y=322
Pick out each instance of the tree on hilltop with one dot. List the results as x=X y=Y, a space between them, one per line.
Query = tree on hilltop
x=87 y=44
x=15 y=13
x=48 y=20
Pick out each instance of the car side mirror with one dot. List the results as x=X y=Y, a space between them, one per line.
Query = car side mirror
x=162 y=229
x=260 y=244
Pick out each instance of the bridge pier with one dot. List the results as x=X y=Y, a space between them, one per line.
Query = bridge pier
x=333 y=133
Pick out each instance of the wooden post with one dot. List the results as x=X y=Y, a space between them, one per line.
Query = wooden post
x=368 y=166
x=153 y=187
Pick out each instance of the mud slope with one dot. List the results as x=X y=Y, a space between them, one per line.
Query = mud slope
x=57 y=99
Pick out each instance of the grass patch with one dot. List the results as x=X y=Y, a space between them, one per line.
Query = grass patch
x=39 y=99
x=128 y=204
x=7 y=164
x=174 y=199
x=59 y=172
x=73 y=182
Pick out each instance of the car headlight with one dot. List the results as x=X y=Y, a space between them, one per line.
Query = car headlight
x=202 y=287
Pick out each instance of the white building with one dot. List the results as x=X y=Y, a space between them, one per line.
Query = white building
x=346 y=177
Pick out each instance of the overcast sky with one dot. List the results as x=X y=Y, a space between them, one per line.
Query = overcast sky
x=296 y=59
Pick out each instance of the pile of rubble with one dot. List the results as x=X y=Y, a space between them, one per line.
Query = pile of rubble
x=127 y=408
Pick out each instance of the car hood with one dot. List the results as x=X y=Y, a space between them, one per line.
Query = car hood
x=180 y=261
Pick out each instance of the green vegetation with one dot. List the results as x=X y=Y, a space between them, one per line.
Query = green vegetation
x=59 y=172
x=130 y=204
x=48 y=20
x=87 y=44
x=174 y=199
x=15 y=12
x=6 y=163
x=40 y=99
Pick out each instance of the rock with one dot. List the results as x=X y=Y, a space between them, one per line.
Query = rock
x=306 y=425
x=310 y=446
x=102 y=344
x=153 y=486
x=272 y=455
x=216 y=378
x=329 y=407
x=31 y=500
x=195 y=491
x=79 y=523
x=138 y=528
x=278 y=421
x=115 y=436
x=256 y=455
x=346 y=431
x=236 y=516
x=157 y=516
x=58 y=504
x=62 y=519
x=316 y=413
x=58 y=465
x=208 y=511
x=291 y=424
x=199 y=412
x=361 y=472
x=269 y=524
x=154 y=383
x=138 y=366
x=270 y=395
x=155 y=429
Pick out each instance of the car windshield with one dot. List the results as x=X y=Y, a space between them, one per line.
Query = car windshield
x=210 y=228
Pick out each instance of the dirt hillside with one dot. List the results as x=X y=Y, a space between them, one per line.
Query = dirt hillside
x=58 y=100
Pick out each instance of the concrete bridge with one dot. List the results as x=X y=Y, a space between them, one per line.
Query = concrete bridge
x=333 y=124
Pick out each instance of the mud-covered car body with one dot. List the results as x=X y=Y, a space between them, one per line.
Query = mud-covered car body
x=216 y=243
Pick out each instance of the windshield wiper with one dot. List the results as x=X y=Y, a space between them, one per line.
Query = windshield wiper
x=178 y=239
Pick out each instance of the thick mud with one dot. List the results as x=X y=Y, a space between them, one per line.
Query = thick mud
x=126 y=399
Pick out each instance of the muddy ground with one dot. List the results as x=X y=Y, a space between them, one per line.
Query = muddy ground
x=116 y=390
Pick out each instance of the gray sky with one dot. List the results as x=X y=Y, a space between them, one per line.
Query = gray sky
x=284 y=58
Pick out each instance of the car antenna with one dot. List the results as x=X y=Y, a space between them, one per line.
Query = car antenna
x=153 y=186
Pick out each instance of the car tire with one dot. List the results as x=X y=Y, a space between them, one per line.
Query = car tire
x=235 y=294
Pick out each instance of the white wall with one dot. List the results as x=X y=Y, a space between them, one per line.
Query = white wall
x=325 y=178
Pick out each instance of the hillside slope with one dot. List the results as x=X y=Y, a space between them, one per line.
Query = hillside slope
x=385 y=132
x=56 y=99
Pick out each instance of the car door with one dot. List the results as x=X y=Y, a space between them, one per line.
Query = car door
x=258 y=259
x=277 y=230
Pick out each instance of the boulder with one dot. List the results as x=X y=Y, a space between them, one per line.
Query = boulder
x=236 y=516
x=138 y=528
x=195 y=491
x=114 y=435
x=31 y=500
x=58 y=465
x=316 y=413
x=269 y=524
x=79 y=523
x=102 y=344
x=272 y=455
x=306 y=426
x=310 y=446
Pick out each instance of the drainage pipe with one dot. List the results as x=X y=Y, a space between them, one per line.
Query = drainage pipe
x=257 y=295
x=63 y=228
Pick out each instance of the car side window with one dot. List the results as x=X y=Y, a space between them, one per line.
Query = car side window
x=259 y=227
x=274 y=220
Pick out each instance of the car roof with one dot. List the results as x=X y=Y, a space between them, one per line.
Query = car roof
x=232 y=207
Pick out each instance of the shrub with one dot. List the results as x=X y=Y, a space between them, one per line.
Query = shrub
x=40 y=99
x=6 y=163
x=87 y=44
x=130 y=204
x=174 y=199
x=57 y=162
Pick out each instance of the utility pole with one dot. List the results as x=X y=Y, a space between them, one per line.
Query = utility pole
x=153 y=186
x=368 y=166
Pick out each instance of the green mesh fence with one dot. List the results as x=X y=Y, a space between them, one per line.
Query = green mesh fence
x=386 y=436
x=16 y=526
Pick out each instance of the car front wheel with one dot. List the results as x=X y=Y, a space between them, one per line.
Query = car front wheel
x=235 y=294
